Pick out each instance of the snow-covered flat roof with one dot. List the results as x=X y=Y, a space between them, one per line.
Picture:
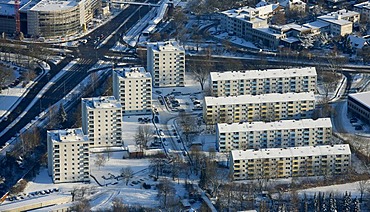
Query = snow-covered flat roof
x=264 y=98
x=363 y=5
x=54 y=5
x=37 y=202
x=133 y=72
x=334 y=20
x=102 y=102
x=68 y=135
x=277 y=125
x=170 y=45
x=342 y=149
x=316 y=24
x=363 y=98
x=263 y=74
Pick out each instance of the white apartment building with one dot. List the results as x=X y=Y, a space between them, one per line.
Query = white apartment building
x=244 y=20
x=256 y=82
x=68 y=155
x=364 y=9
x=265 y=107
x=166 y=63
x=278 y=134
x=132 y=87
x=102 y=121
x=341 y=22
x=290 y=162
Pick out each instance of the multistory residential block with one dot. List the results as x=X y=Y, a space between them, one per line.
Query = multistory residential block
x=68 y=155
x=132 y=87
x=166 y=63
x=102 y=121
x=290 y=162
x=256 y=82
x=279 y=134
x=265 y=107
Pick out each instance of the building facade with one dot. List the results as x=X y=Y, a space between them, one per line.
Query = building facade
x=290 y=162
x=132 y=87
x=68 y=155
x=358 y=104
x=364 y=9
x=265 y=107
x=279 y=134
x=48 y=18
x=102 y=121
x=166 y=63
x=256 y=82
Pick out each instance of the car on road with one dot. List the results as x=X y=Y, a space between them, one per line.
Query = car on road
x=178 y=141
x=161 y=133
x=353 y=120
x=358 y=127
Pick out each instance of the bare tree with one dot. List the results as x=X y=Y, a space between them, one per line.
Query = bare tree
x=200 y=71
x=117 y=205
x=157 y=165
x=100 y=160
x=165 y=190
x=127 y=174
x=108 y=151
x=6 y=76
x=81 y=206
x=362 y=187
x=143 y=136
x=188 y=125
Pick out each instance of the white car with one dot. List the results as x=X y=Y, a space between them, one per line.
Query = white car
x=161 y=133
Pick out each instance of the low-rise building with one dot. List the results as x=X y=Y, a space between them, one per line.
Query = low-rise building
x=279 y=134
x=265 y=107
x=102 y=121
x=341 y=22
x=68 y=155
x=255 y=82
x=132 y=87
x=364 y=9
x=166 y=63
x=358 y=104
x=290 y=162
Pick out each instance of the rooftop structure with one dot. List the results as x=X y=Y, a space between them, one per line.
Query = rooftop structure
x=101 y=102
x=291 y=152
x=68 y=135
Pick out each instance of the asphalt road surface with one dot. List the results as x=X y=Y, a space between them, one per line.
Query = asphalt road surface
x=88 y=55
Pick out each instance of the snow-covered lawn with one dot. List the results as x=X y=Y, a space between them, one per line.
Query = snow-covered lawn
x=130 y=126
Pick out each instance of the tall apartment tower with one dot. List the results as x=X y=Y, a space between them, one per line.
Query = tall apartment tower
x=68 y=155
x=132 y=87
x=166 y=62
x=101 y=121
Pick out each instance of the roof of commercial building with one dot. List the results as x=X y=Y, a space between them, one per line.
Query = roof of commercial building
x=133 y=72
x=7 y=6
x=55 y=5
x=68 y=135
x=363 y=98
x=170 y=45
x=342 y=149
x=102 y=102
x=277 y=125
x=263 y=74
x=247 y=14
x=264 y=98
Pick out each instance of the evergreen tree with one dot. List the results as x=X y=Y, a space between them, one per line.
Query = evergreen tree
x=356 y=206
x=332 y=203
